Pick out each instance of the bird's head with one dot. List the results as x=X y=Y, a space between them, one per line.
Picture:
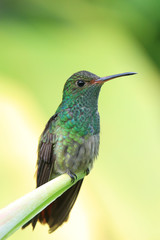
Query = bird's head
x=86 y=85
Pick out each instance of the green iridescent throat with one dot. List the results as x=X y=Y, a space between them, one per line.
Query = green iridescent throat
x=78 y=111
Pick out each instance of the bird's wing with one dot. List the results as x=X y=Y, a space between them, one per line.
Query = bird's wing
x=46 y=156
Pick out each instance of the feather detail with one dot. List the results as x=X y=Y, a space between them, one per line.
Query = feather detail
x=58 y=211
x=45 y=162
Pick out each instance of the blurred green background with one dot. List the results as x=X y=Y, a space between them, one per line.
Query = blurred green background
x=42 y=43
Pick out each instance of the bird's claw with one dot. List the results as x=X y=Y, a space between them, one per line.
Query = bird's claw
x=87 y=171
x=72 y=175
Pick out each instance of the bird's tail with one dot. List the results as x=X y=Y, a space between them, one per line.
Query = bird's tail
x=58 y=211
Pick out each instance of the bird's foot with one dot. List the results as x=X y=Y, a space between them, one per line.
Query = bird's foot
x=87 y=171
x=72 y=175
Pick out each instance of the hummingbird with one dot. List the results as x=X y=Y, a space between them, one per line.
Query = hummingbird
x=70 y=142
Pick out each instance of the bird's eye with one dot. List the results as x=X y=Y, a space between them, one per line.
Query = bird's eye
x=80 y=83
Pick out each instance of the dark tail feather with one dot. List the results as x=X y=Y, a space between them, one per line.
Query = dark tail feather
x=58 y=211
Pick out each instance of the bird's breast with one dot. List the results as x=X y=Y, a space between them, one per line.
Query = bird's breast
x=75 y=153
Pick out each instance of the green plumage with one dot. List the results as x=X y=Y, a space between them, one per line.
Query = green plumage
x=70 y=142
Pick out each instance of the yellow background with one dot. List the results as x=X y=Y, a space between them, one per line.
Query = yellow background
x=42 y=43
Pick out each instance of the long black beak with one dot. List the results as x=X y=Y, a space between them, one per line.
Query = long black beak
x=105 y=79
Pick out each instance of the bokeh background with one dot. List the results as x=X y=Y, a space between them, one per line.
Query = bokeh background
x=41 y=44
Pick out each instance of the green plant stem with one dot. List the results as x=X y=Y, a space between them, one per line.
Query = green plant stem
x=16 y=214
